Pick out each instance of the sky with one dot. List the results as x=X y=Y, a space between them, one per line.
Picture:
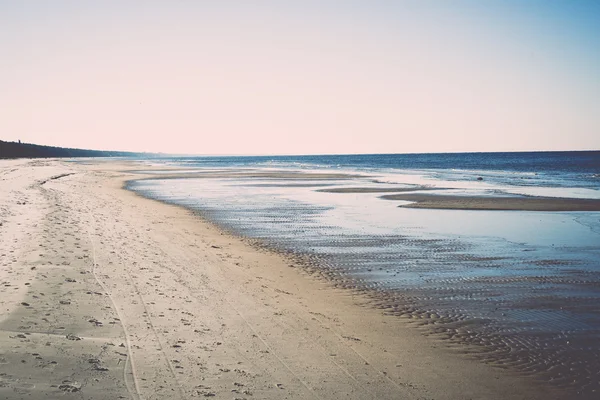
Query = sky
x=301 y=77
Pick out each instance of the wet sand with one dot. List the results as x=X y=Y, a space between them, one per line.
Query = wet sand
x=371 y=189
x=105 y=294
x=437 y=201
x=242 y=173
x=490 y=297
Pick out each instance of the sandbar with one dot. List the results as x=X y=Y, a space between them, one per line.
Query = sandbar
x=524 y=203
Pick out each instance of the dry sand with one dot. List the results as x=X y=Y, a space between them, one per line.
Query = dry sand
x=107 y=295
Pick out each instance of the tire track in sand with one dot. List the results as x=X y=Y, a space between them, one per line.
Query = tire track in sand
x=124 y=323
x=134 y=392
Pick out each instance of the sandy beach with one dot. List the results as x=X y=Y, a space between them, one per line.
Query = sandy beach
x=105 y=294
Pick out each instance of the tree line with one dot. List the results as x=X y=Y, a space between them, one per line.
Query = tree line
x=28 y=150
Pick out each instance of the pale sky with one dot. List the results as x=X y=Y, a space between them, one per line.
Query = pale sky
x=301 y=77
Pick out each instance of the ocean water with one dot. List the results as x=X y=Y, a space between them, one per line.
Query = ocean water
x=520 y=289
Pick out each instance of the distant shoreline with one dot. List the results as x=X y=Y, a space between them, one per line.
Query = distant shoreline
x=15 y=150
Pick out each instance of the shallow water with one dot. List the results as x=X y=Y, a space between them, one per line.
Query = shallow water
x=520 y=289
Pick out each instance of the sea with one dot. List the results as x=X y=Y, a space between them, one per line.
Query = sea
x=516 y=289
